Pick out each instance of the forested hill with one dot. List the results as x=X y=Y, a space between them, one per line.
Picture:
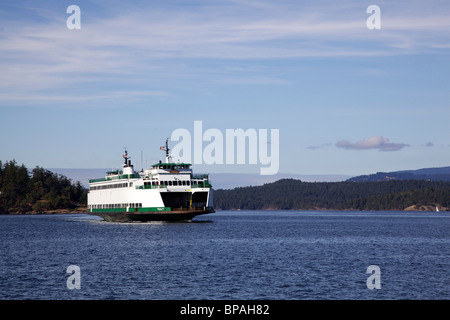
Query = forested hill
x=37 y=191
x=291 y=194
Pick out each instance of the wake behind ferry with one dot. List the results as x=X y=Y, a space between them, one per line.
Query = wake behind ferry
x=167 y=191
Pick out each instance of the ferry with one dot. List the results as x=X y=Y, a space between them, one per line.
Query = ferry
x=168 y=191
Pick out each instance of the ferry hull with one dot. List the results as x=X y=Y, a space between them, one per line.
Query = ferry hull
x=173 y=215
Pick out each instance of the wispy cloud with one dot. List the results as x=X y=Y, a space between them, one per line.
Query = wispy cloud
x=376 y=142
x=147 y=42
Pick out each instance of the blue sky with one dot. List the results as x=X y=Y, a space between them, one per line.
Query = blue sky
x=346 y=99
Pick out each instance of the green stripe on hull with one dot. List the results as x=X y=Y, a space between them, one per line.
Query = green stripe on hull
x=153 y=209
x=172 y=215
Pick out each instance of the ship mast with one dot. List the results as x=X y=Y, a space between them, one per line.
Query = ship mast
x=125 y=156
x=166 y=148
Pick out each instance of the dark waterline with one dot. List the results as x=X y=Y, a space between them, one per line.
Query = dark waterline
x=287 y=255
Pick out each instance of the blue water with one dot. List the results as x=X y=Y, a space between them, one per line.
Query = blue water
x=287 y=255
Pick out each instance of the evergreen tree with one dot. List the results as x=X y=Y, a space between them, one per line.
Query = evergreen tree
x=43 y=190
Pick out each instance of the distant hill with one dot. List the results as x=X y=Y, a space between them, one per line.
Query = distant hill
x=430 y=174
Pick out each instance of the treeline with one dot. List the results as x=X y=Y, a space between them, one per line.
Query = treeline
x=22 y=191
x=291 y=194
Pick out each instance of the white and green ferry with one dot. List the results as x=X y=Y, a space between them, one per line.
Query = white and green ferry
x=168 y=191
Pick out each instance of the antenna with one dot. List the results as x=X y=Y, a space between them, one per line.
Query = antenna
x=167 y=148
x=125 y=156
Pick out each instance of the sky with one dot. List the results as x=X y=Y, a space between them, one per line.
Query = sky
x=346 y=99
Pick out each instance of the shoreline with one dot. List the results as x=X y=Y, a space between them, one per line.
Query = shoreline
x=55 y=211
x=415 y=208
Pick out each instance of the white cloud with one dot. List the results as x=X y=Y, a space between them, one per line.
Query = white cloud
x=376 y=142
x=149 y=42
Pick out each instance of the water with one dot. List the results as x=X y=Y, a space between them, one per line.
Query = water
x=286 y=255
